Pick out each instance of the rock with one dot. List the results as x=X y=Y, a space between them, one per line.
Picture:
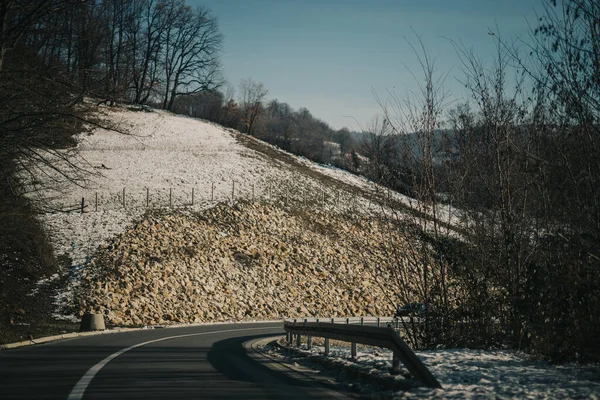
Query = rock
x=250 y=261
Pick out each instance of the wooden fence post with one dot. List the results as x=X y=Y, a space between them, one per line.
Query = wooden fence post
x=212 y=192
x=192 y=197
x=82 y=204
x=124 y=198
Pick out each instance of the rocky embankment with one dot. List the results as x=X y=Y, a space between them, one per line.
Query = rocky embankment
x=244 y=262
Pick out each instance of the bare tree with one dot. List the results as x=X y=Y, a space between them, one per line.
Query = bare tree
x=191 y=47
x=414 y=120
x=252 y=95
x=17 y=17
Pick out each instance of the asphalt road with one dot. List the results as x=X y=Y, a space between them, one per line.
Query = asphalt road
x=201 y=362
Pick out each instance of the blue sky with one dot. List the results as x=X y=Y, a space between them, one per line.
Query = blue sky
x=329 y=55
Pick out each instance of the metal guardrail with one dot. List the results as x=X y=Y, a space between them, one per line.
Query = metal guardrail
x=385 y=337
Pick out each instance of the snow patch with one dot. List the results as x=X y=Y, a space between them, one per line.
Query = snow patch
x=481 y=374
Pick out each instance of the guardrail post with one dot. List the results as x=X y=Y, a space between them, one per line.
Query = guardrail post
x=362 y=320
x=333 y=320
x=382 y=337
x=378 y=322
x=395 y=364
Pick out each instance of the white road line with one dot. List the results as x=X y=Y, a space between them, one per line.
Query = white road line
x=80 y=387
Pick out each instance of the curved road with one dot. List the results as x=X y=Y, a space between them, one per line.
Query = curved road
x=200 y=362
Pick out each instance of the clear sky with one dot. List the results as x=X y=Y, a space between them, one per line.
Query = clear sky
x=328 y=55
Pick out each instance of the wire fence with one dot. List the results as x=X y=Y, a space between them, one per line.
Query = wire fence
x=287 y=194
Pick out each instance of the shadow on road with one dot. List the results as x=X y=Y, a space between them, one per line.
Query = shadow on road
x=186 y=368
x=232 y=360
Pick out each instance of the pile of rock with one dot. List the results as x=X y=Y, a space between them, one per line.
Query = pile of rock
x=245 y=262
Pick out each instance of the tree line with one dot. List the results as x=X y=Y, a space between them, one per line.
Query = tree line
x=121 y=50
x=275 y=122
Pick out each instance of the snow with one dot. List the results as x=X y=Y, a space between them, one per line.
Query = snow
x=158 y=163
x=163 y=158
x=480 y=374
x=445 y=213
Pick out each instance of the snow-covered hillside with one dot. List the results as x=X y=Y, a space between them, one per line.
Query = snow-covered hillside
x=160 y=162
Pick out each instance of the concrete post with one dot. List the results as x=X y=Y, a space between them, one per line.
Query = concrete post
x=353 y=351
x=326 y=346
x=92 y=322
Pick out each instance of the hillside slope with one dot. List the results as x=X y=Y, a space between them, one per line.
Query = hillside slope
x=172 y=163
x=166 y=162
x=243 y=262
x=158 y=164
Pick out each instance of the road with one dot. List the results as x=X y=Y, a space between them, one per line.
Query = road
x=201 y=362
